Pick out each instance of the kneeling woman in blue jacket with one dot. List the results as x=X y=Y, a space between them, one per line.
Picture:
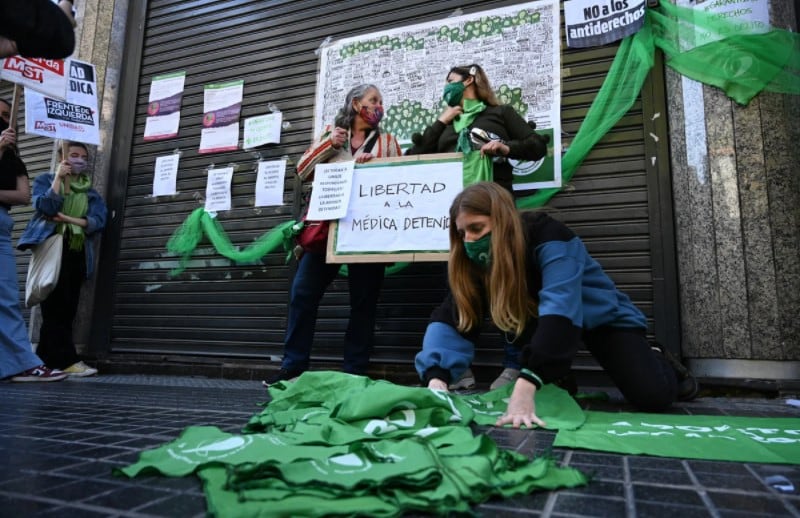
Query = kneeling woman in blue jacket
x=534 y=278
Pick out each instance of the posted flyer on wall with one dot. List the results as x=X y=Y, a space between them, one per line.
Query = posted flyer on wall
x=164 y=106
x=222 y=104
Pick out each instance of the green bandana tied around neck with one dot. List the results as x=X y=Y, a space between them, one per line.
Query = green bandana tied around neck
x=76 y=204
x=477 y=168
x=480 y=250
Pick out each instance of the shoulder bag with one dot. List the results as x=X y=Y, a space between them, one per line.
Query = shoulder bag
x=44 y=269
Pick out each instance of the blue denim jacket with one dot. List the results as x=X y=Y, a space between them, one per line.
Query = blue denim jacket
x=48 y=203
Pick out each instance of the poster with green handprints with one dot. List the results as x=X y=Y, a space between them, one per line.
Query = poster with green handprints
x=517 y=46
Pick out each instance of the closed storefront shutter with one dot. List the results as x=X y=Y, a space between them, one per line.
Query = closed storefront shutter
x=218 y=308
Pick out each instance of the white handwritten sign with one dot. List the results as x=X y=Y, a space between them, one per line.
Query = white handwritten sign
x=269 y=183
x=165 y=175
x=331 y=192
x=400 y=206
x=218 y=189
x=264 y=129
x=743 y=17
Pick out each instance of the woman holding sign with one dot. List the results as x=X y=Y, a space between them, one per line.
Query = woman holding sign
x=534 y=279
x=17 y=359
x=488 y=133
x=476 y=124
x=354 y=135
x=66 y=204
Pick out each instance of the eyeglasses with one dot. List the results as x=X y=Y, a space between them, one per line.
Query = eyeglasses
x=478 y=137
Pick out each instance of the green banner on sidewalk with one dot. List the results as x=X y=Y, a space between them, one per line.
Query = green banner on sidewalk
x=738 y=439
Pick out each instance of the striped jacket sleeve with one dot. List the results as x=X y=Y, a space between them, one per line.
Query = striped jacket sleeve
x=387 y=146
x=319 y=152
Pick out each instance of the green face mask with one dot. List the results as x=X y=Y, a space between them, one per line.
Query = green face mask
x=480 y=251
x=453 y=92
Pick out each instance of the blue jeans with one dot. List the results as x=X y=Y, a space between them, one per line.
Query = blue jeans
x=511 y=356
x=310 y=282
x=16 y=353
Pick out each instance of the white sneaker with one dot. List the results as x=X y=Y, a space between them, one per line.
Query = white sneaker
x=466 y=381
x=508 y=375
x=80 y=370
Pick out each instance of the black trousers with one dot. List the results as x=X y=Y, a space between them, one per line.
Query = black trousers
x=56 y=347
x=644 y=376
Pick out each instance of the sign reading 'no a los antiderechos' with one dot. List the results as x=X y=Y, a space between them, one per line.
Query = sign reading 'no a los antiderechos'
x=591 y=23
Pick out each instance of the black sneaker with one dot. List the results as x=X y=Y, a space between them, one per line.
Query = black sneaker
x=281 y=375
x=687 y=383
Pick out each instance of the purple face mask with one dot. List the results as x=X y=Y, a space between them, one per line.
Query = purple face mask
x=372 y=117
x=78 y=164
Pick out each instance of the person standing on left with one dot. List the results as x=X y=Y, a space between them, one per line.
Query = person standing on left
x=354 y=135
x=66 y=203
x=18 y=362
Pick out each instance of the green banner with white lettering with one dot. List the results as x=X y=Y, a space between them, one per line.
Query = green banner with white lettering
x=718 y=437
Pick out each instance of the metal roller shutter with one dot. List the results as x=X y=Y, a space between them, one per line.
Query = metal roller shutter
x=231 y=311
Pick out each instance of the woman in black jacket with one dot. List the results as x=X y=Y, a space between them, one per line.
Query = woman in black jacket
x=475 y=123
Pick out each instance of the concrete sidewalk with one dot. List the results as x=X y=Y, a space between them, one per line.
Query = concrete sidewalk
x=60 y=441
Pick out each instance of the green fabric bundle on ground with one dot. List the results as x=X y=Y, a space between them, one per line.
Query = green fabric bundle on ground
x=336 y=444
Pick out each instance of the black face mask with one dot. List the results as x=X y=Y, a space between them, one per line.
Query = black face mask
x=3 y=125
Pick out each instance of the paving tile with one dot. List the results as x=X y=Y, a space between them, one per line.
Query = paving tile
x=589 y=505
x=177 y=505
x=667 y=477
x=654 y=510
x=666 y=495
x=77 y=491
x=128 y=497
x=599 y=488
x=732 y=482
x=748 y=503
x=21 y=506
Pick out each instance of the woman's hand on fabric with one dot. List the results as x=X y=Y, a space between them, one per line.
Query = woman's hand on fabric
x=8 y=138
x=495 y=148
x=338 y=137
x=364 y=157
x=450 y=113
x=437 y=384
x=521 y=407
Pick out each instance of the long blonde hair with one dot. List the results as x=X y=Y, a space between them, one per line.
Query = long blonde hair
x=505 y=283
x=483 y=89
